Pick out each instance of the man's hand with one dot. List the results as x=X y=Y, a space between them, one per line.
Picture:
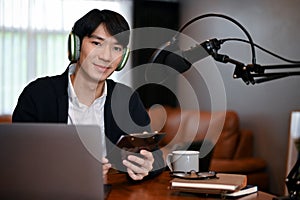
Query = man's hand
x=139 y=167
x=105 y=167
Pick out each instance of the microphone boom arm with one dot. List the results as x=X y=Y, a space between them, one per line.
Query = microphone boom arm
x=256 y=73
x=263 y=77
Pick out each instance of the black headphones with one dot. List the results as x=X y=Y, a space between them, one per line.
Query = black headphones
x=74 y=51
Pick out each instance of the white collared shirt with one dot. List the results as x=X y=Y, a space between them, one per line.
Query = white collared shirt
x=79 y=113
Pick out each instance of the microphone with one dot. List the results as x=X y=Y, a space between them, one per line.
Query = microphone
x=169 y=54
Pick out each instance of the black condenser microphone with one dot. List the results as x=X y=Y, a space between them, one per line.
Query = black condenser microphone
x=169 y=54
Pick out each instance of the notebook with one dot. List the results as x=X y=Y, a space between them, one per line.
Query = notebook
x=50 y=161
x=223 y=183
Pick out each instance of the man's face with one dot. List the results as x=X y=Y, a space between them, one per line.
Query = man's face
x=100 y=54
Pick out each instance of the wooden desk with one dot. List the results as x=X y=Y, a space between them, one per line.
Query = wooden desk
x=158 y=189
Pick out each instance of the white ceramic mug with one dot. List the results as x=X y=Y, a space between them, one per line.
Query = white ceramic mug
x=183 y=161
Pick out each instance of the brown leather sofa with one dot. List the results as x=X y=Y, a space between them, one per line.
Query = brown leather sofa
x=233 y=149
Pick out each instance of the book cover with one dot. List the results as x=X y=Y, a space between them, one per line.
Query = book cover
x=224 y=183
x=249 y=189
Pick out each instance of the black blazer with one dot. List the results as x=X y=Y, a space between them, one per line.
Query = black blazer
x=45 y=100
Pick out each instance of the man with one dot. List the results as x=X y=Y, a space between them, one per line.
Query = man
x=84 y=95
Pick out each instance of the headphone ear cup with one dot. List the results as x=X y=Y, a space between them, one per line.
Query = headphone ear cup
x=73 y=47
x=125 y=57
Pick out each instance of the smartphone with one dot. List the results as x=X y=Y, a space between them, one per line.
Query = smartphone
x=140 y=141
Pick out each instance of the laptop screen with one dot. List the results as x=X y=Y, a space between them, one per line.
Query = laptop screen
x=50 y=161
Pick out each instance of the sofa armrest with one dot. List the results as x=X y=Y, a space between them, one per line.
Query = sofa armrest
x=242 y=166
x=244 y=147
x=5 y=118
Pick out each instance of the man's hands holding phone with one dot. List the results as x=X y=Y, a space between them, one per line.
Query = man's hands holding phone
x=137 y=166
x=136 y=153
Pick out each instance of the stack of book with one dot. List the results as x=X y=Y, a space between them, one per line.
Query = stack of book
x=224 y=184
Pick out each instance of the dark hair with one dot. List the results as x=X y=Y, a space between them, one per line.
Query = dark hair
x=113 y=21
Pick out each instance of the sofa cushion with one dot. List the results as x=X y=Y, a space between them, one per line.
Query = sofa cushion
x=180 y=126
x=227 y=143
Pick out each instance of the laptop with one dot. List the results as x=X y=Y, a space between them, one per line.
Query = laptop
x=50 y=161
